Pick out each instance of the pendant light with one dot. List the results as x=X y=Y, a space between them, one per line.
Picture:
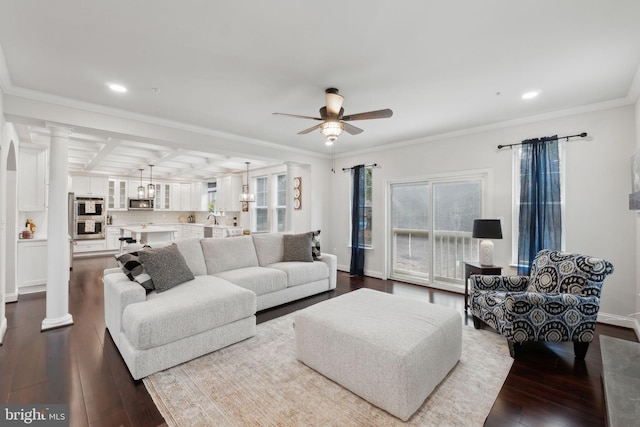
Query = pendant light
x=245 y=196
x=151 y=189
x=140 y=187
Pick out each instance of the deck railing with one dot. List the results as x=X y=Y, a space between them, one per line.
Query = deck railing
x=412 y=254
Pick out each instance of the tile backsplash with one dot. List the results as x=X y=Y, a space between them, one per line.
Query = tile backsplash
x=167 y=217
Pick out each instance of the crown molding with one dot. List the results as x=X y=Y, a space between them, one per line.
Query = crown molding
x=124 y=114
x=599 y=106
x=634 y=89
x=5 y=78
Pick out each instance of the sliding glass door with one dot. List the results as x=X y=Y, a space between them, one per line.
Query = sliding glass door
x=430 y=230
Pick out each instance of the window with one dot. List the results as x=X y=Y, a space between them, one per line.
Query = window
x=212 y=194
x=431 y=222
x=367 y=207
x=280 y=202
x=260 y=206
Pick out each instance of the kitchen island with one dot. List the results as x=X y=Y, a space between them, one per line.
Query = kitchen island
x=150 y=233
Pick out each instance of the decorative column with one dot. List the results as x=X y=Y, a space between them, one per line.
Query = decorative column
x=288 y=214
x=58 y=232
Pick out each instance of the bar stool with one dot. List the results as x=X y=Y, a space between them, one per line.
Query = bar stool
x=126 y=240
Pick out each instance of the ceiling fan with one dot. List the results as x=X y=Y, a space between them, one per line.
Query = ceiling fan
x=333 y=120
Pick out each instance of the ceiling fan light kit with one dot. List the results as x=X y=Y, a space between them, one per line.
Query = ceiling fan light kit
x=333 y=118
x=332 y=130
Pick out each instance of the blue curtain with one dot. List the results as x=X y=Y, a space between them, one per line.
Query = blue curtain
x=357 y=221
x=540 y=219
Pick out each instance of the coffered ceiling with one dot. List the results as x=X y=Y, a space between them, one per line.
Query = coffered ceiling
x=441 y=66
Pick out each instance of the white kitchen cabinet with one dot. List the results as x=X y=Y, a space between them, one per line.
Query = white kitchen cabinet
x=32 y=179
x=81 y=246
x=32 y=264
x=199 y=196
x=117 y=198
x=113 y=237
x=175 y=196
x=189 y=230
x=90 y=185
x=185 y=197
x=163 y=196
x=228 y=190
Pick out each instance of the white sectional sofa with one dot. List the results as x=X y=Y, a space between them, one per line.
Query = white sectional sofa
x=214 y=307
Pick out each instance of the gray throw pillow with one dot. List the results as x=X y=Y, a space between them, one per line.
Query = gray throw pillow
x=297 y=247
x=166 y=266
x=132 y=266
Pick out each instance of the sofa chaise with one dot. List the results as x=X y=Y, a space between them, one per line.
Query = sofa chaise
x=217 y=287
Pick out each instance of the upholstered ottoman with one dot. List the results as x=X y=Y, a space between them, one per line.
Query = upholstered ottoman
x=391 y=351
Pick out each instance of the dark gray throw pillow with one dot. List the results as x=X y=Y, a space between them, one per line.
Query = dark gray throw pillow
x=166 y=266
x=297 y=247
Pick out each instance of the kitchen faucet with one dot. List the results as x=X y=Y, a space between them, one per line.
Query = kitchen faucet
x=215 y=219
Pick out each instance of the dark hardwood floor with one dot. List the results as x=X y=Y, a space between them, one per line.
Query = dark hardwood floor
x=79 y=365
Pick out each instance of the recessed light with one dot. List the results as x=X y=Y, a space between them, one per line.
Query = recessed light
x=530 y=95
x=116 y=87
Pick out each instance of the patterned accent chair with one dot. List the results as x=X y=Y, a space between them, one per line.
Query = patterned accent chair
x=559 y=301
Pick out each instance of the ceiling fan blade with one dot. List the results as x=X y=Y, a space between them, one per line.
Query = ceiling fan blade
x=378 y=114
x=297 y=116
x=334 y=101
x=351 y=129
x=311 y=129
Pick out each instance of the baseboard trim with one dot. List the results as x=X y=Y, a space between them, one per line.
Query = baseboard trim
x=3 y=329
x=13 y=297
x=48 y=324
x=368 y=273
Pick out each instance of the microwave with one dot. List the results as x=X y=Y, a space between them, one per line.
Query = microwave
x=140 y=204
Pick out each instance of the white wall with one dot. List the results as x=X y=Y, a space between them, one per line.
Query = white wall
x=637 y=217
x=3 y=180
x=597 y=222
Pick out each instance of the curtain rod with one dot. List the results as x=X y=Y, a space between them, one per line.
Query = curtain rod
x=581 y=135
x=372 y=165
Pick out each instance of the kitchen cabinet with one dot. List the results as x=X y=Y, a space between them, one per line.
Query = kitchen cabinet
x=81 y=246
x=185 y=197
x=113 y=237
x=175 y=196
x=163 y=200
x=117 y=198
x=32 y=264
x=228 y=190
x=32 y=179
x=90 y=185
x=189 y=230
x=199 y=196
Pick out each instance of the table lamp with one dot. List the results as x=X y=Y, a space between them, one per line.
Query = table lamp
x=486 y=229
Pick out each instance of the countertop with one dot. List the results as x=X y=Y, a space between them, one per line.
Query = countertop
x=197 y=224
x=148 y=228
x=36 y=238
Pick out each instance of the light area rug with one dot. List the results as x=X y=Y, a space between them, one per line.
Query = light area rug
x=259 y=382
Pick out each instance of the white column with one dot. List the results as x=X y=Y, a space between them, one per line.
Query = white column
x=288 y=213
x=58 y=232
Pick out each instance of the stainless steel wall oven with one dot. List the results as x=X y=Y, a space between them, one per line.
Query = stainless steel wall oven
x=89 y=220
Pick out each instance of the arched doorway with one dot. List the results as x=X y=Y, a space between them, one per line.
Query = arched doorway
x=8 y=225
